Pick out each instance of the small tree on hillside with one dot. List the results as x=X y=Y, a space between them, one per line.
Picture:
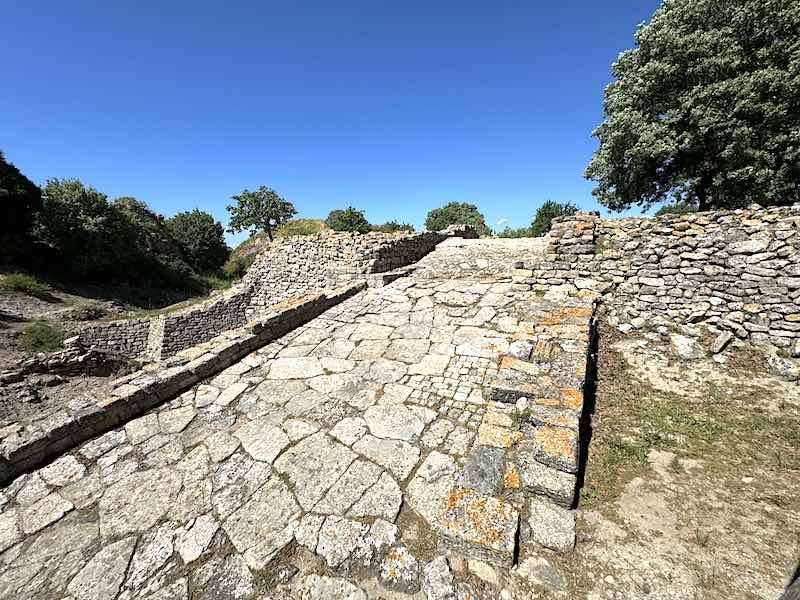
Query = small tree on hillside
x=202 y=239
x=20 y=199
x=547 y=212
x=349 y=219
x=457 y=213
x=706 y=110
x=392 y=226
x=261 y=210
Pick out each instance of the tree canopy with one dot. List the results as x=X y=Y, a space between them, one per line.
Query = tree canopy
x=201 y=238
x=548 y=211
x=705 y=110
x=349 y=219
x=20 y=199
x=392 y=226
x=457 y=213
x=261 y=210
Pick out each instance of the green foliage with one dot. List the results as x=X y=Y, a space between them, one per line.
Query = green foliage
x=261 y=210
x=236 y=266
x=457 y=213
x=88 y=311
x=547 y=212
x=20 y=200
x=301 y=227
x=676 y=208
x=522 y=232
x=706 y=109
x=201 y=238
x=349 y=219
x=42 y=337
x=95 y=239
x=392 y=226
x=25 y=284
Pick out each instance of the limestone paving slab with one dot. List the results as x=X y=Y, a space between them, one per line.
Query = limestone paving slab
x=438 y=413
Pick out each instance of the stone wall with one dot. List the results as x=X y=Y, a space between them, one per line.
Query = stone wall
x=289 y=268
x=737 y=271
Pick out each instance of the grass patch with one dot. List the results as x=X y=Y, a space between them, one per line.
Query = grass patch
x=42 y=337
x=25 y=284
x=301 y=227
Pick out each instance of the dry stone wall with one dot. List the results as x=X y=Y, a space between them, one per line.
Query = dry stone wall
x=737 y=271
x=289 y=268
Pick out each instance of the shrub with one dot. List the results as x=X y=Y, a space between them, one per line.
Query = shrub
x=201 y=238
x=677 y=208
x=508 y=232
x=89 y=311
x=42 y=337
x=392 y=226
x=301 y=227
x=349 y=219
x=20 y=200
x=25 y=284
x=237 y=265
x=457 y=213
x=547 y=212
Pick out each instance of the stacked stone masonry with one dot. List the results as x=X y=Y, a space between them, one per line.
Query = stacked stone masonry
x=289 y=268
x=403 y=440
x=736 y=271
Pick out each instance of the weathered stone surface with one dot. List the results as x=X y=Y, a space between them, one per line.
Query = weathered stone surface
x=138 y=502
x=152 y=552
x=393 y=421
x=316 y=587
x=483 y=470
x=62 y=471
x=479 y=525
x=686 y=347
x=262 y=526
x=350 y=487
x=551 y=526
x=349 y=430
x=438 y=580
x=541 y=479
x=338 y=537
x=46 y=511
x=225 y=578
x=142 y=429
x=295 y=368
x=400 y=571
x=10 y=532
x=175 y=421
x=102 y=576
x=313 y=466
x=382 y=499
x=192 y=542
x=221 y=445
x=262 y=440
x=396 y=455
x=556 y=447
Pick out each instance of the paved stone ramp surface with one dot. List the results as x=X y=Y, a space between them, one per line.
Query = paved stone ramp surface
x=406 y=434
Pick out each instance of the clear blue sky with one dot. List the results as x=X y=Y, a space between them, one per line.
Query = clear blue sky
x=392 y=107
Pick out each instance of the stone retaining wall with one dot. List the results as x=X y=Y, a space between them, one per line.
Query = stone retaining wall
x=288 y=268
x=736 y=271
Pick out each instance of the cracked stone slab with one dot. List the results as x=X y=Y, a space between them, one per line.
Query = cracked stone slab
x=317 y=587
x=556 y=447
x=262 y=440
x=538 y=478
x=44 y=512
x=262 y=527
x=393 y=421
x=313 y=465
x=400 y=571
x=138 y=501
x=396 y=455
x=102 y=576
x=350 y=487
x=483 y=470
x=295 y=368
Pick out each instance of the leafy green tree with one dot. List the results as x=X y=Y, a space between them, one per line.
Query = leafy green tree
x=706 y=108
x=392 y=226
x=547 y=212
x=349 y=219
x=676 y=208
x=202 y=239
x=261 y=210
x=20 y=200
x=94 y=239
x=508 y=232
x=457 y=213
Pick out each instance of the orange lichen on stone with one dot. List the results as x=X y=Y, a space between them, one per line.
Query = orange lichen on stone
x=478 y=519
x=573 y=399
x=556 y=441
x=511 y=477
x=498 y=437
x=511 y=362
x=543 y=350
x=498 y=418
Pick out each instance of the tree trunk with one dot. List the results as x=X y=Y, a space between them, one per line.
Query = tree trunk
x=702 y=193
x=269 y=233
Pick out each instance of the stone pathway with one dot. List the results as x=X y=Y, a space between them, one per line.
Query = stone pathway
x=415 y=441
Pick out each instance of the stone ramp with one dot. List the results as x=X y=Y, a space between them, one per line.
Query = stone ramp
x=434 y=417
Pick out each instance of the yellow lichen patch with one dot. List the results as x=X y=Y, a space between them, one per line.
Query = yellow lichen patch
x=479 y=519
x=511 y=477
x=579 y=312
x=572 y=398
x=498 y=418
x=556 y=441
x=498 y=437
x=543 y=350
x=511 y=362
x=523 y=335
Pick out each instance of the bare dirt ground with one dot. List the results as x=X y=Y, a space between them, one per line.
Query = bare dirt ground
x=691 y=486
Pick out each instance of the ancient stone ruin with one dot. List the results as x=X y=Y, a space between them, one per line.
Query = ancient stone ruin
x=364 y=414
